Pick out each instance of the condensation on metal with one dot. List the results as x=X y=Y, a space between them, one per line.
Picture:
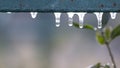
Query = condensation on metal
x=60 y=5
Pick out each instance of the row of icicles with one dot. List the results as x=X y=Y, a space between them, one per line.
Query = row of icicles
x=81 y=17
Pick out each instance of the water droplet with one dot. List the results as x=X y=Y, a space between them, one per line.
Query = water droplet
x=70 y=19
x=33 y=14
x=108 y=64
x=113 y=15
x=8 y=12
x=57 y=25
x=99 y=17
x=95 y=28
x=57 y=18
x=81 y=18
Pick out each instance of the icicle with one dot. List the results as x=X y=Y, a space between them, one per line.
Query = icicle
x=57 y=18
x=8 y=12
x=113 y=15
x=99 y=17
x=70 y=20
x=81 y=18
x=33 y=14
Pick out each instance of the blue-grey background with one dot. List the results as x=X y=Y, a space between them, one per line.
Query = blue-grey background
x=37 y=43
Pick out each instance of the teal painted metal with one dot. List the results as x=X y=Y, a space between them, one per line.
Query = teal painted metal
x=60 y=5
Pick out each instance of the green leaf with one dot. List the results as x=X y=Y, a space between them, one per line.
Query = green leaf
x=106 y=66
x=100 y=38
x=107 y=33
x=76 y=24
x=105 y=19
x=116 y=32
x=98 y=65
x=85 y=26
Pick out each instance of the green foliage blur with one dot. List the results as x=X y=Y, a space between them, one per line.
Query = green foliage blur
x=103 y=36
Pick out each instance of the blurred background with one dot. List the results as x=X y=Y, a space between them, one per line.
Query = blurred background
x=37 y=43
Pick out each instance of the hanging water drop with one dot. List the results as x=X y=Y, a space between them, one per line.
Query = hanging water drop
x=95 y=28
x=57 y=25
x=33 y=14
x=113 y=15
x=8 y=12
x=108 y=64
x=81 y=18
x=99 y=17
x=70 y=19
x=57 y=18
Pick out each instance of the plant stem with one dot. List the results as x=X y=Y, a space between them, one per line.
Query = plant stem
x=111 y=55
